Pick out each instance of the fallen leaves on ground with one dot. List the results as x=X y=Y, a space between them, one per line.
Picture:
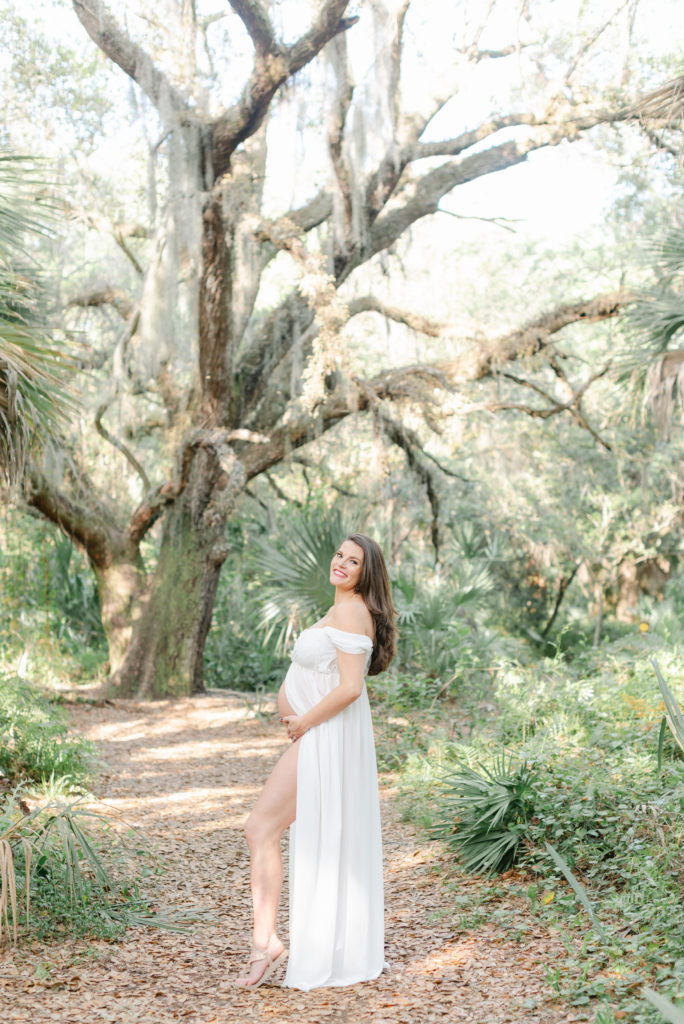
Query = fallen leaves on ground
x=186 y=773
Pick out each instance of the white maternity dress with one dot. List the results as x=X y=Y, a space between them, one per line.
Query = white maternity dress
x=336 y=887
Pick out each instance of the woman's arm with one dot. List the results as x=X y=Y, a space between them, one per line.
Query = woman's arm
x=350 y=687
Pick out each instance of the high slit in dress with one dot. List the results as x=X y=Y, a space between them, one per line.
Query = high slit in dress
x=336 y=884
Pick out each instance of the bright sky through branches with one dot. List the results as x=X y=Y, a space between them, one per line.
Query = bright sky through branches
x=556 y=194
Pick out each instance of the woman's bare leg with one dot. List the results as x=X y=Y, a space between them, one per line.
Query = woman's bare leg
x=273 y=812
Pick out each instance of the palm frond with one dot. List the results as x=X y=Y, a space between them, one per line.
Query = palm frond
x=34 y=401
x=656 y=319
x=485 y=811
x=653 y=364
x=670 y=1011
x=577 y=888
x=296 y=566
x=55 y=838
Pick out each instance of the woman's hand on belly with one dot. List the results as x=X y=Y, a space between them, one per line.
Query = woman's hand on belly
x=295 y=726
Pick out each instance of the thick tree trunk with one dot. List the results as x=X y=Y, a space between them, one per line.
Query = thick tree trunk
x=171 y=622
x=121 y=585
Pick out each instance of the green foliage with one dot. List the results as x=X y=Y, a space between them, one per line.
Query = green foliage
x=484 y=812
x=408 y=715
x=436 y=624
x=657 y=317
x=295 y=566
x=48 y=602
x=274 y=583
x=577 y=887
x=33 y=402
x=672 y=1013
x=54 y=878
x=601 y=827
x=236 y=655
x=49 y=83
x=74 y=592
x=674 y=717
x=34 y=742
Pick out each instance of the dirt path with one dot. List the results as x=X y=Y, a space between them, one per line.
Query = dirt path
x=187 y=773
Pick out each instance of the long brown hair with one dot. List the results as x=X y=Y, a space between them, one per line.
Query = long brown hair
x=374 y=588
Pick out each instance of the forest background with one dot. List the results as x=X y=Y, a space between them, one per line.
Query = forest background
x=273 y=273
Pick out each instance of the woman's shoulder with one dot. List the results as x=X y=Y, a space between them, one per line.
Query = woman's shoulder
x=352 y=617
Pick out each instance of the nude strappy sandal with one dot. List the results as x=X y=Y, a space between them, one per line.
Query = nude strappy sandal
x=271 y=964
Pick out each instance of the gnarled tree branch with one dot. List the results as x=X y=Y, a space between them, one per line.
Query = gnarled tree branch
x=481 y=361
x=530 y=339
x=257 y=23
x=336 y=122
x=131 y=58
x=156 y=501
x=370 y=304
x=119 y=445
x=409 y=442
x=271 y=69
x=105 y=295
x=91 y=526
x=554 y=407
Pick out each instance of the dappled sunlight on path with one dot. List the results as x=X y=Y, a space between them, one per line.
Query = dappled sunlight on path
x=186 y=774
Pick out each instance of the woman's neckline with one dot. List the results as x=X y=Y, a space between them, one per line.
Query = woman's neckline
x=344 y=631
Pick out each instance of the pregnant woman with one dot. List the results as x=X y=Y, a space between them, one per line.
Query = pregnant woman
x=325 y=786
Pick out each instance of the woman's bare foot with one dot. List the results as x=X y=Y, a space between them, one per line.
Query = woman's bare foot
x=263 y=961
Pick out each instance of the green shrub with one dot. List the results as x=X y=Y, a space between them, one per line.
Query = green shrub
x=484 y=813
x=606 y=793
x=54 y=879
x=33 y=736
x=47 y=587
x=237 y=655
x=73 y=591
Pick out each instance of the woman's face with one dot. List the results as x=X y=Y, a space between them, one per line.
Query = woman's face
x=346 y=565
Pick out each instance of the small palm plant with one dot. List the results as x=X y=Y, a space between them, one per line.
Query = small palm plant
x=437 y=612
x=51 y=851
x=485 y=812
x=48 y=841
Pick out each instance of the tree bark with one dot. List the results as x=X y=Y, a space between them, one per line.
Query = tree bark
x=121 y=585
x=164 y=656
x=114 y=556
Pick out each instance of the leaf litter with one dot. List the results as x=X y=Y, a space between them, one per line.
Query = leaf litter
x=185 y=774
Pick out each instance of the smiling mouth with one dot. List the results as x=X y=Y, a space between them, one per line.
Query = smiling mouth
x=342 y=575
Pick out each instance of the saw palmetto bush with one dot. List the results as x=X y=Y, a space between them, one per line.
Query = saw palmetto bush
x=33 y=401
x=295 y=567
x=54 y=878
x=48 y=858
x=654 y=361
x=440 y=627
x=484 y=812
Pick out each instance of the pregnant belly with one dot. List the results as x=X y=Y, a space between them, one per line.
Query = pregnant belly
x=284 y=707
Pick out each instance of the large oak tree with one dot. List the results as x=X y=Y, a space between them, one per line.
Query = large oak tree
x=267 y=382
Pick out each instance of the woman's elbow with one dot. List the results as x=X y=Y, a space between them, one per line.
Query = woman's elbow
x=354 y=689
